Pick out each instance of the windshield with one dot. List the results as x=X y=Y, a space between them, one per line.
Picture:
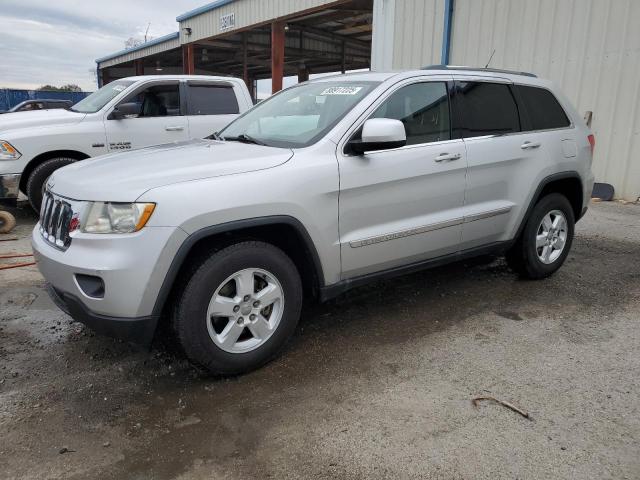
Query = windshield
x=100 y=98
x=299 y=116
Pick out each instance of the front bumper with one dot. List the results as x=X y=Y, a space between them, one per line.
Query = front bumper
x=9 y=186
x=132 y=268
x=136 y=330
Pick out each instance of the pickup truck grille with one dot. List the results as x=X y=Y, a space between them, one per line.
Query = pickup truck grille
x=55 y=218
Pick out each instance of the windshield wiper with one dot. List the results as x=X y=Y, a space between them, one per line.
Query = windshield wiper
x=244 y=138
x=215 y=136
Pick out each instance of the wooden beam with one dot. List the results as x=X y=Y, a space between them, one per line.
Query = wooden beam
x=277 y=56
x=188 y=59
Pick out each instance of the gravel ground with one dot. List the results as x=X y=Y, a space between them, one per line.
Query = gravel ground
x=376 y=384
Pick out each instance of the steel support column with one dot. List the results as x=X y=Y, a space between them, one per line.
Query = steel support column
x=188 y=59
x=139 y=65
x=277 y=56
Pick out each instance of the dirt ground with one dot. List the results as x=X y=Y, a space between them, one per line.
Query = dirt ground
x=376 y=384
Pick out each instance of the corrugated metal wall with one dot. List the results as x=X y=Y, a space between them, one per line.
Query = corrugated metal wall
x=247 y=12
x=590 y=48
x=417 y=36
x=134 y=54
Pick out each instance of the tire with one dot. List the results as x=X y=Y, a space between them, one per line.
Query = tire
x=224 y=276
x=37 y=179
x=7 y=222
x=534 y=262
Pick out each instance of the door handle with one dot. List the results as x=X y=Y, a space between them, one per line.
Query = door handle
x=448 y=157
x=176 y=128
x=529 y=145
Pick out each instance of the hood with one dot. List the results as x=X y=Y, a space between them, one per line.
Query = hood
x=123 y=177
x=58 y=116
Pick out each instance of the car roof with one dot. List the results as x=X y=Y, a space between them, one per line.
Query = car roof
x=456 y=72
x=181 y=77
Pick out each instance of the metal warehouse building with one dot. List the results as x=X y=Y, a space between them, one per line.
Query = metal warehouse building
x=590 y=48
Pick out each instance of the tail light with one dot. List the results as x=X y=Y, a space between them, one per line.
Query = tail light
x=592 y=142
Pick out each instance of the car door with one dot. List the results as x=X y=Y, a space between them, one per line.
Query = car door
x=211 y=106
x=404 y=205
x=161 y=118
x=502 y=159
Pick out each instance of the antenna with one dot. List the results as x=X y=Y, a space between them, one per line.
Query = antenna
x=487 y=65
x=147 y=31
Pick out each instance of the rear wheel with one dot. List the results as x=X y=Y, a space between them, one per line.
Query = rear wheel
x=546 y=239
x=37 y=181
x=239 y=308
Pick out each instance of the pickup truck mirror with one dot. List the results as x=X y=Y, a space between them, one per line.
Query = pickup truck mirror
x=125 y=110
x=380 y=134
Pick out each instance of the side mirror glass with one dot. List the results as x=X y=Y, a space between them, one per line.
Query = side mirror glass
x=380 y=134
x=126 y=110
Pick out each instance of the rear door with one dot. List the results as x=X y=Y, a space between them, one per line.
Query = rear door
x=161 y=120
x=211 y=106
x=501 y=158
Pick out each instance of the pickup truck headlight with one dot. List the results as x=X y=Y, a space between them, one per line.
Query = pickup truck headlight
x=111 y=217
x=8 y=151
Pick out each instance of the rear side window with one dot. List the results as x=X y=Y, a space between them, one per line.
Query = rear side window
x=212 y=100
x=423 y=108
x=541 y=110
x=486 y=109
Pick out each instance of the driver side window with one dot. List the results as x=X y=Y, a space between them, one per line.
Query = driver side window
x=423 y=108
x=158 y=101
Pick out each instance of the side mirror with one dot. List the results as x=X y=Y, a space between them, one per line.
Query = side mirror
x=125 y=110
x=380 y=134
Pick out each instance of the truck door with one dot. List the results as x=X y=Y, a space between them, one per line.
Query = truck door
x=161 y=119
x=211 y=106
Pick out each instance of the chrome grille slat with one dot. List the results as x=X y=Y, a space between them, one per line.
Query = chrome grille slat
x=56 y=215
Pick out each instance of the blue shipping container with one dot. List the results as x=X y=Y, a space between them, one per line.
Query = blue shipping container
x=9 y=98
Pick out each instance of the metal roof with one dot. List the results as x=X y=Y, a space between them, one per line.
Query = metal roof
x=205 y=8
x=150 y=43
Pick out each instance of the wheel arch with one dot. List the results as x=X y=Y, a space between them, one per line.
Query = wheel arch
x=568 y=184
x=43 y=157
x=285 y=232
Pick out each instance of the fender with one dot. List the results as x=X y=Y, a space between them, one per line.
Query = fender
x=191 y=240
x=536 y=195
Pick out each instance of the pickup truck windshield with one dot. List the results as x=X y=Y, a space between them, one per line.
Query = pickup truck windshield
x=299 y=116
x=100 y=98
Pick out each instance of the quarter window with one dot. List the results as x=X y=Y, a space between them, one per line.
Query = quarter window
x=486 y=109
x=423 y=108
x=212 y=100
x=542 y=111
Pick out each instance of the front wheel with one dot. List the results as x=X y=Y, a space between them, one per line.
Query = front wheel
x=37 y=181
x=239 y=308
x=546 y=239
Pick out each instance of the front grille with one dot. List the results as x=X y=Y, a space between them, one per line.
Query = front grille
x=55 y=218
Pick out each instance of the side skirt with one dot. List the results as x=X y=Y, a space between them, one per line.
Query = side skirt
x=330 y=291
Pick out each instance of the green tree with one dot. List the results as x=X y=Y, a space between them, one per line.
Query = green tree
x=70 y=87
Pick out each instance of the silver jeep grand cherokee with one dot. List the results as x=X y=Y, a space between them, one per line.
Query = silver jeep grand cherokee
x=325 y=186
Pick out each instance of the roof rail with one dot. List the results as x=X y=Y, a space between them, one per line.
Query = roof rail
x=490 y=70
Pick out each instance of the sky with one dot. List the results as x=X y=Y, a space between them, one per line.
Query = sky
x=57 y=42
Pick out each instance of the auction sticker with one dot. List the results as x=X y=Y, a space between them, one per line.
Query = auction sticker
x=341 y=91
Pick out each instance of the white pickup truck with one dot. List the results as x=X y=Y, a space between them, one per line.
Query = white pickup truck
x=126 y=114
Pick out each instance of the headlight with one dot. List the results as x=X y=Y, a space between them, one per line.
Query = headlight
x=105 y=217
x=8 y=152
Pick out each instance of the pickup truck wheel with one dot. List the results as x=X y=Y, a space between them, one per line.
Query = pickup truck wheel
x=38 y=179
x=546 y=239
x=239 y=308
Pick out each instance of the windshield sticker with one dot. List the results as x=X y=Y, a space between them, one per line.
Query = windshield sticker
x=341 y=91
x=119 y=88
